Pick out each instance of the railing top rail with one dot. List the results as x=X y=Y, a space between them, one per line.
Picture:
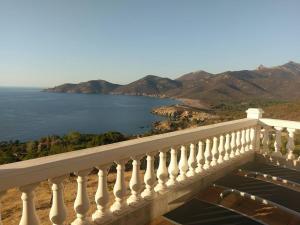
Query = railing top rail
x=36 y=170
x=280 y=123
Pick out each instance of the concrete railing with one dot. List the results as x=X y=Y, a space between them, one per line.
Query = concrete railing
x=199 y=151
x=273 y=132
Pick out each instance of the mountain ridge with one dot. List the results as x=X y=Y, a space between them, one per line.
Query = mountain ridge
x=278 y=82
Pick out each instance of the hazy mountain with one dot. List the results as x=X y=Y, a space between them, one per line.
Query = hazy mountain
x=280 y=82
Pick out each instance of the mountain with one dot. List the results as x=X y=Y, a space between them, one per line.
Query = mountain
x=273 y=83
x=150 y=85
x=89 y=87
x=194 y=76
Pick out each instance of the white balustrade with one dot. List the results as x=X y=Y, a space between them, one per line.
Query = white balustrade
x=29 y=216
x=162 y=173
x=58 y=211
x=277 y=142
x=82 y=203
x=102 y=213
x=227 y=147
x=119 y=205
x=183 y=164
x=135 y=183
x=149 y=178
x=279 y=125
x=290 y=146
x=192 y=162
x=207 y=155
x=173 y=168
x=221 y=149
x=200 y=157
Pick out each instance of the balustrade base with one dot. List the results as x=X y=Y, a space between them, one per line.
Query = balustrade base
x=101 y=218
x=119 y=208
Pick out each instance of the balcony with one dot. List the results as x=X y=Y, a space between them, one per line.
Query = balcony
x=166 y=172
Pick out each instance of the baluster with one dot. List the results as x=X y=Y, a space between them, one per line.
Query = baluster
x=257 y=138
x=214 y=152
x=277 y=143
x=221 y=149
x=227 y=147
x=243 y=141
x=183 y=164
x=252 y=138
x=232 y=145
x=200 y=157
x=192 y=161
x=119 y=205
x=149 y=178
x=290 y=146
x=238 y=143
x=162 y=173
x=58 y=211
x=266 y=140
x=82 y=203
x=173 y=168
x=207 y=155
x=102 y=214
x=247 y=146
x=135 y=183
x=29 y=216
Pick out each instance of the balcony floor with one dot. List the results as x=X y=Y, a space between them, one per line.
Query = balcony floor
x=207 y=208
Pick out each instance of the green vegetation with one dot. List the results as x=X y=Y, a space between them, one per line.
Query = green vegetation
x=14 y=151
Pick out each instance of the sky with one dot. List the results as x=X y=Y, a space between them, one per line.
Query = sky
x=44 y=43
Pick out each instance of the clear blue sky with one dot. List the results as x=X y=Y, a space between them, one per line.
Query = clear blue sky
x=46 y=43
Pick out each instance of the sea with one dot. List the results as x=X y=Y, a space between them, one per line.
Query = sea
x=29 y=114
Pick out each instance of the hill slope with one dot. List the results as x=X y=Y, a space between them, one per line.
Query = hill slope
x=89 y=87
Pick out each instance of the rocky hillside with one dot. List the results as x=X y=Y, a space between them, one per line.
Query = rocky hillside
x=280 y=83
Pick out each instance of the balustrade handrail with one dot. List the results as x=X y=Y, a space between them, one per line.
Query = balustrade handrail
x=36 y=170
x=280 y=123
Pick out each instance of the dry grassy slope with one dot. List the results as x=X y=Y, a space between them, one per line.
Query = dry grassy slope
x=285 y=111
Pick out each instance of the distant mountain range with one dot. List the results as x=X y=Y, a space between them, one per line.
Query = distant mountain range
x=278 y=83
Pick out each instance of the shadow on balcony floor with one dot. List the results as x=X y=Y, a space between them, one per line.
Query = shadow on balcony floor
x=197 y=212
x=280 y=208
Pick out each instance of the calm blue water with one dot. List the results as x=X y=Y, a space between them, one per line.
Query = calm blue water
x=27 y=114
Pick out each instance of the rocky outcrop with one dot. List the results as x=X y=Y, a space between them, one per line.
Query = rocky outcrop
x=179 y=112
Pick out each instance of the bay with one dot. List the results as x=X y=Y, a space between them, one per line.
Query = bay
x=29 y=113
